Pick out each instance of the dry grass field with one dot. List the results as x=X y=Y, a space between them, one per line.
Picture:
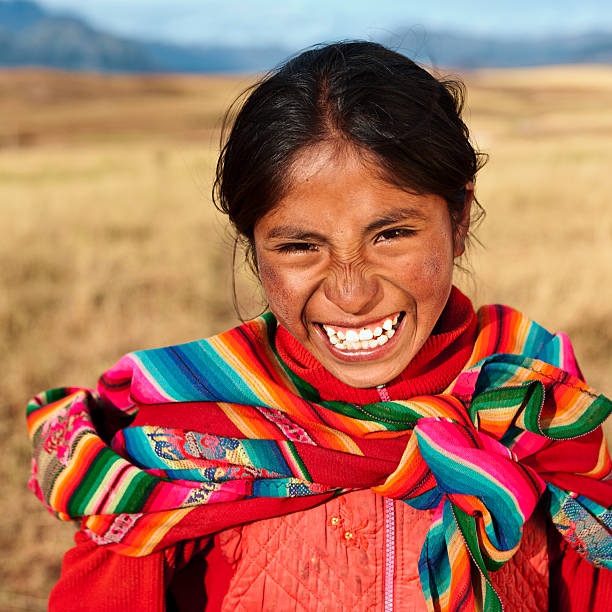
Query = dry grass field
x=110 y=242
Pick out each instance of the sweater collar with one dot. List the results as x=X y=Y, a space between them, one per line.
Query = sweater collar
x=434 y=367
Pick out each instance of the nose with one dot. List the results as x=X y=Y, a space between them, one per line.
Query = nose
x=351 y=289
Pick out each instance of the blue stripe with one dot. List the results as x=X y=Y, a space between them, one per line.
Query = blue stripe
x=138 y=447
x=265 y=454
x=220 y=375
x=194 y=371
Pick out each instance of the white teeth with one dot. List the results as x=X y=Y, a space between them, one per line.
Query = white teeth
x=363 y=339
x=366 y=334
x=363 y=344
x=352 y=335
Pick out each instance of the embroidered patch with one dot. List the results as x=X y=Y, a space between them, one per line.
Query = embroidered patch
x=117 y=531
x=349 y=533
x=293 y=432
x=59 y=432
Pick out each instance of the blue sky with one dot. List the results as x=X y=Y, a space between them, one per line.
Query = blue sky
x=298 y=23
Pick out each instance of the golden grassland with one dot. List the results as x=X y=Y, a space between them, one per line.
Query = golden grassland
x=110 y=242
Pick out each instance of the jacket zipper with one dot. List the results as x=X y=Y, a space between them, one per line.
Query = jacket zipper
x=389 y=544
x=388 y=535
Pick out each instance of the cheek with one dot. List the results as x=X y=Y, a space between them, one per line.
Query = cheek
x=279 y=291
x=268 y=274
x=438 y=261
x=430 y=275
x=430 y=266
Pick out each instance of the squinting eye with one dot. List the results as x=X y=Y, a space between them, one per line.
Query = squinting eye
x=297 y=247
x=391 y=234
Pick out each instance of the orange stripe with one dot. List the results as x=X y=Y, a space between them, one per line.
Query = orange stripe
x=153 y=529
x=67 y=482
x=37 y=418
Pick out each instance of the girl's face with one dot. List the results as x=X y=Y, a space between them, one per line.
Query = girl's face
x=356 y=269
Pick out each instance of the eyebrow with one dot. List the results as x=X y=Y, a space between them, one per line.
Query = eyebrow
x=295 y=232
x=396 y=216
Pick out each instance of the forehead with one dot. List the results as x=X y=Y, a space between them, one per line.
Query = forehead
x=333 y=161
x=336 y=187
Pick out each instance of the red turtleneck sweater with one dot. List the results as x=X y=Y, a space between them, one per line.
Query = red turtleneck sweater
x=114 y=582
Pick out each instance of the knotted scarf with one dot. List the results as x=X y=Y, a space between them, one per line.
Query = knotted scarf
x=180 y=442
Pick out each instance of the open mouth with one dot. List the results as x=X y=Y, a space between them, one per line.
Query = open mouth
x=366 y=338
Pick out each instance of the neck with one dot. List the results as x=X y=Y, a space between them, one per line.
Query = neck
x=434 y=367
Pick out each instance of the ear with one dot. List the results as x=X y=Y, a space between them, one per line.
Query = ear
x=462 y=222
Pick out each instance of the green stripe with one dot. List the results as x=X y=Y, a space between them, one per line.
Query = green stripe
x=97 y=470
x=48 y=397
x=495 y=399
x=290 y=446
x=138 y=493
x=467 y=527
x=530 y=395
x=593 y=416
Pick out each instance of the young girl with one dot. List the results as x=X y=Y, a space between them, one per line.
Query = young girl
x=370 y=443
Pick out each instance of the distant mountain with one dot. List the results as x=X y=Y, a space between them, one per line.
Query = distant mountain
x=32 y=36
x=15 y=16
x=461 y=51
x=185 y=58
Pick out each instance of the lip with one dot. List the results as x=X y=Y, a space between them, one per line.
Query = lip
x=365 y=354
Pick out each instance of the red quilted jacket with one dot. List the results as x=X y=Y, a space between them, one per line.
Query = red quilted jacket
x=358 y=552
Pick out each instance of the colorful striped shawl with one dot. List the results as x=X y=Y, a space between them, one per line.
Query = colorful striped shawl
x=219 y=432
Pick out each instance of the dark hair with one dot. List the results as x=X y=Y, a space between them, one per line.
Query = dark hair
x=356 y=93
